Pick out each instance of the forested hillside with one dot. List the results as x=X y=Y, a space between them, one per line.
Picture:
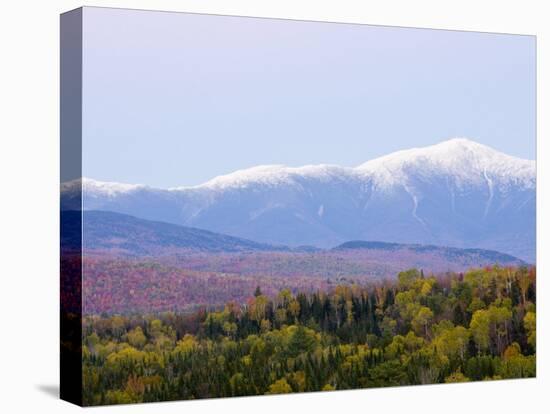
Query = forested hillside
x=417 y=330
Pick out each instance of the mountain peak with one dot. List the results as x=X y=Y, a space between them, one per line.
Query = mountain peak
x=464 y=146
x=462 y=142
x=461 y=158
x=452 y=148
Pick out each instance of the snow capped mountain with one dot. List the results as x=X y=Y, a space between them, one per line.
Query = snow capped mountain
x=99 y=188
x=457 y=193
x=468 y=162
x=274 y=175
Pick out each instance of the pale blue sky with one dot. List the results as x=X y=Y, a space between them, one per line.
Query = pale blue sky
x=174 y=99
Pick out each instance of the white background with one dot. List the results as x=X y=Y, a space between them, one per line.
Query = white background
x=29 y=174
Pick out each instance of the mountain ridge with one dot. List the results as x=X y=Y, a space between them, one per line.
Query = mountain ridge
x=457 y=193
x=106 y=231
x=274 y=171
x=498 y=257
x=124 y=233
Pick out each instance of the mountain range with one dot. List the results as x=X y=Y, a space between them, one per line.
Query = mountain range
x=121 y=233
x=458 y=193
x=113 y=236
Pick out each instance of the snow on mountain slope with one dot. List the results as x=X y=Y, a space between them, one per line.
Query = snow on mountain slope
x=465 y=160
x=272 y=176
x=99 y=188
x=457 y=193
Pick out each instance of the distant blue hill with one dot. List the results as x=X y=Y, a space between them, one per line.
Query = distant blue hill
x=105 y=230
x=490 y=256
x=122 y=234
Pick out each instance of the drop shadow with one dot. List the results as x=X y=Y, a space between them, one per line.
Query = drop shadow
x=49 y=389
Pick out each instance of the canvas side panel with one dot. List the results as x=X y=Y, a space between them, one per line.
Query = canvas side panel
x=71 y=206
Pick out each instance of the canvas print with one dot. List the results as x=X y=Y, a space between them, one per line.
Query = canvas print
x=256 y=206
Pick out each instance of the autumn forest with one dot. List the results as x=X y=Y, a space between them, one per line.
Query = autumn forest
x=415 y=329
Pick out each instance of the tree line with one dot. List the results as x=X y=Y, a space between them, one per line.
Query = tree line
x=418 y=329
